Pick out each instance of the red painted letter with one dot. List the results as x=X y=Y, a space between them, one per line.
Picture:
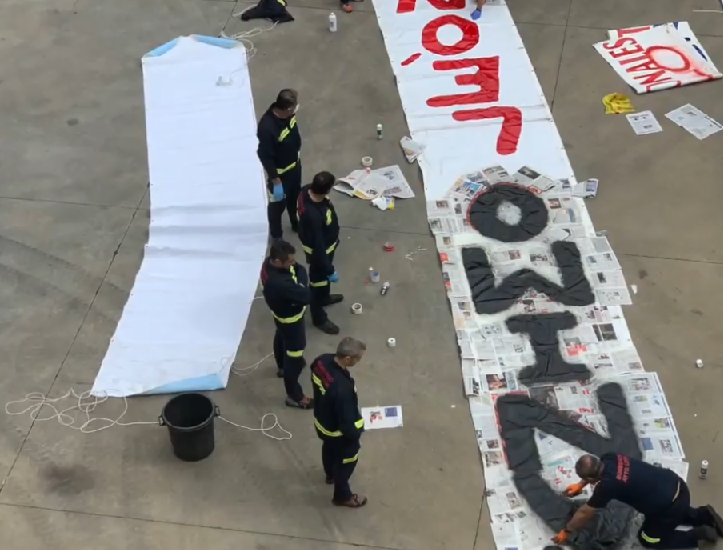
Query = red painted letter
x=407 y=6
x=470 y=35
x=486 y=78
x=511 y=125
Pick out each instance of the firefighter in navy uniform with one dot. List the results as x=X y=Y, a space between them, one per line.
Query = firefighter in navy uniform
x=337 y=418
x=280 y=154
x=287 y=295
x=319 y=235
x=655 y=492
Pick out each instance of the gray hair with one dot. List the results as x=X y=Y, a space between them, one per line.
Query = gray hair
x=350 y=347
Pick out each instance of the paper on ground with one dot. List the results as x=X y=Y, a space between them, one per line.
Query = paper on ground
x=185 y=316
x=377 y=418
x=386 y=182
x=644 y=123
x=694 y=121
x=411 y=148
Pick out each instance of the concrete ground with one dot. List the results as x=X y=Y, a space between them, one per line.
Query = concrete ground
x=73 y=221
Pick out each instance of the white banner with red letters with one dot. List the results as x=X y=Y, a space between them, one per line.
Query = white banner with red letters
x=658 y=57
x=526 y=274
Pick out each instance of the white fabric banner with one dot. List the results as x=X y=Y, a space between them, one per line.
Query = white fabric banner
x=473 y=101
x=185 y=316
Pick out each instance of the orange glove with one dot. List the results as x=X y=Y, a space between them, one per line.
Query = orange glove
x=561 y=537
x=574 y=489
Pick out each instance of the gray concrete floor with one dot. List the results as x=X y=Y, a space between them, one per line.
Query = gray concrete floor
x=73 y=220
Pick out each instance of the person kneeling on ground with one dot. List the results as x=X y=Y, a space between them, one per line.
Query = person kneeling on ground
x=657 y=493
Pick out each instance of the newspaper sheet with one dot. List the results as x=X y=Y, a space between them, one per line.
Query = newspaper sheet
x=370 y=184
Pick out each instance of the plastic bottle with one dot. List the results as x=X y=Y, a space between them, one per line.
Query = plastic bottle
x=385 y=289
x=332 y=22
x=379 y=131
x=703 y=470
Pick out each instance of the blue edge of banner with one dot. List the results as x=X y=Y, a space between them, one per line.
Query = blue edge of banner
x=209 y=382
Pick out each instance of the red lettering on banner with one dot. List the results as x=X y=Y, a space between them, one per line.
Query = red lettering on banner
x=486 y=78
x=637 y=48
x=511 y=125
x=469 y=39
x=623 y=473
x=408 y=6
x=618 y=43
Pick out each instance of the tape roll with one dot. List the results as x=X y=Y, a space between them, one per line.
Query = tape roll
x=356 y=309
x=391 y=342
x=367 y=162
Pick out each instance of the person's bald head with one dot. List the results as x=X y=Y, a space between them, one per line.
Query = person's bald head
x=588 y=468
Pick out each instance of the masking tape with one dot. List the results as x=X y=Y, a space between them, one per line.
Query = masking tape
x=391 y=342
x=367 y=162
x=356 y=309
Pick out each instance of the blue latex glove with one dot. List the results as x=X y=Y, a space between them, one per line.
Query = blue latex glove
x=334 y=277
x=278 y=192
x=476 y=14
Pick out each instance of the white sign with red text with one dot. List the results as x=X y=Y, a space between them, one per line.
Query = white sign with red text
x=656 y=58
x=469 y=91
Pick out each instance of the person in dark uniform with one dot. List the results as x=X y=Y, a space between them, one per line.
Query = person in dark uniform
x=280 y=154
x=337 y=418
x=319 y=235
x=286 y=291
x=657 y=493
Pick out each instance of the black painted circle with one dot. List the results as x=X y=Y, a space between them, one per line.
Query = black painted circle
x=533 y=213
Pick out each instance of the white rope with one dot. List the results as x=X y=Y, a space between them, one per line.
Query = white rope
x=246 y=36
x=263 y=429
x=85 y=403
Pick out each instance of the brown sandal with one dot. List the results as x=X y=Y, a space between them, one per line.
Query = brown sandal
x=356 y=501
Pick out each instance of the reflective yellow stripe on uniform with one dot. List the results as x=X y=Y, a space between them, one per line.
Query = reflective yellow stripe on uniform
x=646 y=538
x=289 y=320
x=328 y=217
x=293 y=273
x=289 y=167
x=295 y=354
x=286 y=131
x=359 y=424
x=316 y=380
x=317 y=285
x=282 y=2
x=329 y=250
x=324 y=431
x=350 y=460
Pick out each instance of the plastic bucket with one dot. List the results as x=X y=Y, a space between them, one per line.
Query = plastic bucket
x=190 y=421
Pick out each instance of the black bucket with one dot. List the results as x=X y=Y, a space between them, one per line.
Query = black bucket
x=190 y=418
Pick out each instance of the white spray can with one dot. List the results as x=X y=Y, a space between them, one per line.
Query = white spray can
x=332 y=22
x=703 y=470
x=380 y=131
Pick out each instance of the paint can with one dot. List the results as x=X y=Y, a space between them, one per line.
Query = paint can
x=388 y=247
x=356 y=309
x=374 y=276
x=703 y=470
x=380 y=133
x=699 y=363
x=385 y=289
x=391 y=342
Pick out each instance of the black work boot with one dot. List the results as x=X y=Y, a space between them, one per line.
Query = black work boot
x=279 y=373
x=295 y=226
x=328 y=327
x=711 y=518
x=334 y=299
x=705 y=534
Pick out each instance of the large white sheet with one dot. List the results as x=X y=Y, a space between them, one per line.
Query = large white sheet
x=471 y=96
x=186 y=314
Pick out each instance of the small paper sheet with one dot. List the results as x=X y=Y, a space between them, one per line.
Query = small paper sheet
x=694 y=121
x=377 y=418
x=644 y=123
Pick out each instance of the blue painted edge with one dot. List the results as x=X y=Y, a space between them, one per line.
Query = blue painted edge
x=209 y=382
x=225 y=43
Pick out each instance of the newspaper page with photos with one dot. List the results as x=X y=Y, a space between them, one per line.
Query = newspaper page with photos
x=371 y=184
x=492 y=357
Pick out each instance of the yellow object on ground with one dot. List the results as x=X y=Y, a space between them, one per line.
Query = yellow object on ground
x=617 y=104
